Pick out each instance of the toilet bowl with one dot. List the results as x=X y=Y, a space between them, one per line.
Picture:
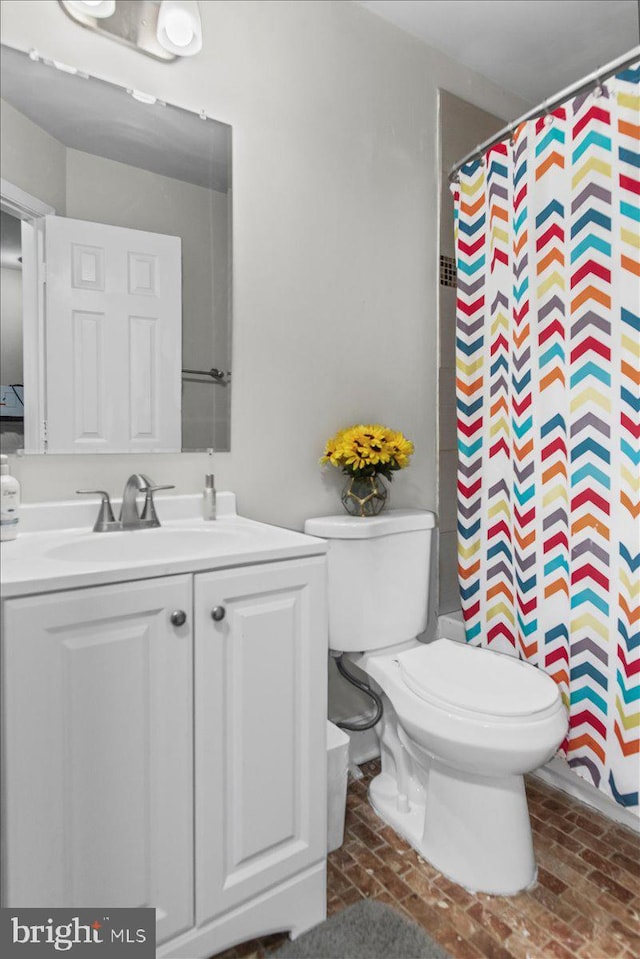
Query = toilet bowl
x=469 y=743
x=461 y=725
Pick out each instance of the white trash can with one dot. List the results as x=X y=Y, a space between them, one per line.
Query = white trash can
x=337 y=769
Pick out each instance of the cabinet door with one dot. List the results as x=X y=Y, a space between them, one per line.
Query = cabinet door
x=98 y=727
x=260 y=688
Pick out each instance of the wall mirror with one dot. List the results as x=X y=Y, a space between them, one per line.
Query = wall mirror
x=116 y=267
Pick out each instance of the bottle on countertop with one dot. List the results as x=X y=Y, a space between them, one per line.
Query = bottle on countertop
x=9 y=502
x=209 y=497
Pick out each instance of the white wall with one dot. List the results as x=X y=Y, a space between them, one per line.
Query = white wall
x=336 y=178
x=31 y=159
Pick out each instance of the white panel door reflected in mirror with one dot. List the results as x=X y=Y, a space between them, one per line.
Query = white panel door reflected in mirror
x=90 y=151
x=112 y=352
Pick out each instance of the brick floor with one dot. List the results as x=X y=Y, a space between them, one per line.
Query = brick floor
x=585 y=904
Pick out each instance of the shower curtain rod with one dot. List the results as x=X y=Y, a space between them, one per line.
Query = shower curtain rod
x=593 y=80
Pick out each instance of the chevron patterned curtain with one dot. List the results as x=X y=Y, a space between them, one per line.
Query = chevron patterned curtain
x=548 y=393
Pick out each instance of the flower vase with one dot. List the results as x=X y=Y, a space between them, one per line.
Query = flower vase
x=364 y=495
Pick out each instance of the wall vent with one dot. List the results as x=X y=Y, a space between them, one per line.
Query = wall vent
x=448 y=272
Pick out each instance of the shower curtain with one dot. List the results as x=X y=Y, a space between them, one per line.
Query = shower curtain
x=548 y=395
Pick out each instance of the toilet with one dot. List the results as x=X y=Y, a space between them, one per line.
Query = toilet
x=461 y=724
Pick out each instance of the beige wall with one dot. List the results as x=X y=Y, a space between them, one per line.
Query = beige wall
x=31 y=159
x=462 y=127
x=336 y=180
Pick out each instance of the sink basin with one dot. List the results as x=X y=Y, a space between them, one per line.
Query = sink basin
x=150 y=544
x=58 y=550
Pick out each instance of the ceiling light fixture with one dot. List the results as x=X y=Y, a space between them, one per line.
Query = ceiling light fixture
x=179 y=27
x=100 y=9
x=134 y=23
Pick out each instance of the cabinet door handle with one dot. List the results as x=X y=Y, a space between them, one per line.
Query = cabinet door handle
x=178 y=617
x=218 y=613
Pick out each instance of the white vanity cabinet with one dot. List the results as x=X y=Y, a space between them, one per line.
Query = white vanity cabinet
x=98 y=749
x=175 y=766
x=259 y=687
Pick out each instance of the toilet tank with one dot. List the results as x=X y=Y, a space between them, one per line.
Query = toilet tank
x=378 y=576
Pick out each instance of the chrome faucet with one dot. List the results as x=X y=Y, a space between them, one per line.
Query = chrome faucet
x=130 y=518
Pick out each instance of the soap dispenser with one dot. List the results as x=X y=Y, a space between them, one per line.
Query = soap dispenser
x=209 y=497
x=9 y=502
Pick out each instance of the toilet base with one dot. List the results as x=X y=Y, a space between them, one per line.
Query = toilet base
x=473 y=829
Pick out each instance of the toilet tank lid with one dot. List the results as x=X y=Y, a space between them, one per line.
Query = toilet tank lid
x=343 y=526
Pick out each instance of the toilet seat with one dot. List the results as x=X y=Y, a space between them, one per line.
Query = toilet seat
x=476 y=680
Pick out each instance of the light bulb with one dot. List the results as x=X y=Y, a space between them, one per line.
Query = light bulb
x=100 y=9
x=178 y=27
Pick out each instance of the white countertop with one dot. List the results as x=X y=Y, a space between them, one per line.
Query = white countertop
x=46 y=557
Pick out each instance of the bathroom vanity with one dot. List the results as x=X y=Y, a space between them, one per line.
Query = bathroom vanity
x=164 y=708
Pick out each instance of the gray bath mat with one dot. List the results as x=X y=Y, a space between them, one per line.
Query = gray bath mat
x=368 y=930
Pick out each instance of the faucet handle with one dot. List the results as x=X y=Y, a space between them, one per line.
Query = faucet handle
x=149 y=510
x=106 y=520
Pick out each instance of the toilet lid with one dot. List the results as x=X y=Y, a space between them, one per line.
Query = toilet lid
x=475 y=679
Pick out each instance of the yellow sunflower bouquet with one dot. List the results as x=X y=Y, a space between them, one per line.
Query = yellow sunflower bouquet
x=368 y=450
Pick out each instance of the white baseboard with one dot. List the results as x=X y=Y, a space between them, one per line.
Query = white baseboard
x=451 y=626
x=559 y=774
x=363 y=746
